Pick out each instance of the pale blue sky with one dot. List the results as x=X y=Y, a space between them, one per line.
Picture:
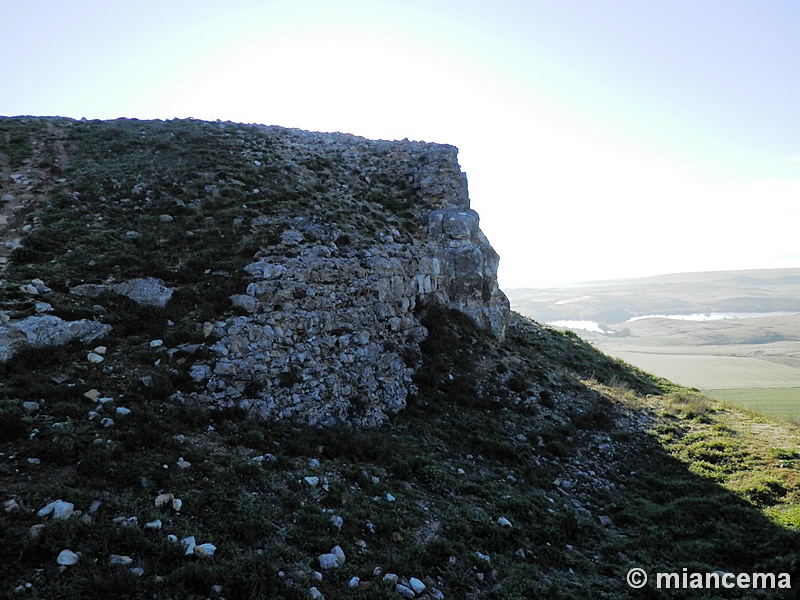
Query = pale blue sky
x=601 y=139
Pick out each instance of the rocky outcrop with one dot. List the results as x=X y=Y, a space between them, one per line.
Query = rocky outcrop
x=46 y=330
x=331 y=334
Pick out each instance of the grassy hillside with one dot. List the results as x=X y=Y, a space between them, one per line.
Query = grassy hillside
x=532 y=468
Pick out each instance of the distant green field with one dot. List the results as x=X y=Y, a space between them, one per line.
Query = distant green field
x=768 y=388
x=781 y=403
x=714 y=372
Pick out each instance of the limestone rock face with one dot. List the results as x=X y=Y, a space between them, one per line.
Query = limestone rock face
x=329 y=334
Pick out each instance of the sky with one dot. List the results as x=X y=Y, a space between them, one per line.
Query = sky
x=601 y=140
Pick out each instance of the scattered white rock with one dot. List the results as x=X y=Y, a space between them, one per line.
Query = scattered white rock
x=503 y=522
x=101 y=350
x=92 y=395
x=391 y=577
x=183 y=464
x=483 y=557
x=126 y=521
x=328 y=561
x=189 y=543
x=59 y=509
x=605 y=521
x=520 y=552
x=67 y=558
x=389 y=497
x=119 y=559
x=313 y=463
x=36 y=530
x=155 y=525
x=339 y=553
x=313 y=481
x=122 y=411
x=107 y=422
x=354 y=581
x=317 y=575
x=437 y=594
x=404 y=591
x=177 y=505
x=315 y=593
x=94 y=358
x=164 y=499
x=205 y=550
x=337 y=521
x=156 y=343
x=416 y=585
x=35 y=461
x=11 y=506
x=30 y=407
x=137 y=571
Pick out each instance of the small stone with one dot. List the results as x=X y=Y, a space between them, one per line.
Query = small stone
x=137 y=571
x=156 y=343
x=520 y=552
x=126 y=521
x=101 y=350
x=155 y=525
x=121 y=410
x=92 y=395
x=8 y=198
x=205 y=550
x=391 y=578
x=107 y=422
x=11 y=506
x=337 y=521
x=94 y=358
x=315 y=593
x=36 y=530
x=189 y=543
x=354 y=581
x=164 y=499
x=317 y=576
x=503 y=522
x=404 y=591
x=177 y=505
x=313 y=481
x=416 y=585
x=313 y=463
x=339 y=553
x=58 y=508
x=166 y=218
x=35 y=461
x=605 y=521
x=183 y=464
x=390 y=498
x=119 y=559
x=67 y=558
x=483 y=557
x=30 y=407
x=328 y=561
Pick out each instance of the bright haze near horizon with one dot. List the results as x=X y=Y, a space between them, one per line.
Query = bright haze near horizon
x=601 y=140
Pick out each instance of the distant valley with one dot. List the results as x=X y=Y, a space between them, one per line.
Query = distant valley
x=733 y=334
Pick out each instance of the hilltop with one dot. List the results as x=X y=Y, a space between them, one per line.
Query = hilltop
x=253 y=362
